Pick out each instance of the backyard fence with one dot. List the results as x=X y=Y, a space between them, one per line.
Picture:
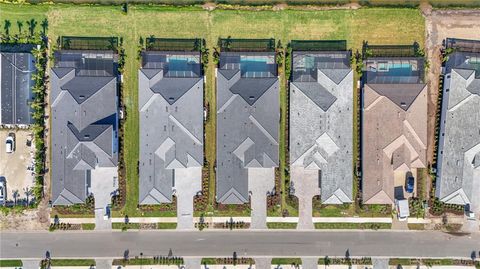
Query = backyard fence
x=173 y=44
x=229 y=44
x=88 y=43
x=318 y=45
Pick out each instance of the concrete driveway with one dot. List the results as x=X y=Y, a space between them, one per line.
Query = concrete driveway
x=305 y=183
x=13 y=166
x=188 y=182
x=104 y=183
x=260 y=182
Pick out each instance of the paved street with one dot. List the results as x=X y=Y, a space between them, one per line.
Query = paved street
x=248 y=243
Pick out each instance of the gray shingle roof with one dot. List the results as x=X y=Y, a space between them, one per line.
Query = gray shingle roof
x=320 y=120
x=16 y=87
x=459 y=145
x=171 y=123
x=247 y=128
x=84 y=124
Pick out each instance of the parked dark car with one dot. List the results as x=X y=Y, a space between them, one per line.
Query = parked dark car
x=410 y=184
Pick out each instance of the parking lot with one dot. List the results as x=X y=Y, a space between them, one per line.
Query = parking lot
x=13 y=166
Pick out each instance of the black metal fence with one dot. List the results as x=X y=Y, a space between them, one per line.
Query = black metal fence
x=244 y=45
x=390 y=50
x=463 y=45
x=173 y=44
x=318 y=45
x=88 y=43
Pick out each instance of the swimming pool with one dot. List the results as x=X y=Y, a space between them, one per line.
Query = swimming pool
x=255 y=63
x=181 y=63
x=395 y=69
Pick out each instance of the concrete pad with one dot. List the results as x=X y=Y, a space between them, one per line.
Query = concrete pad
x=103 y=264
x=103 y=185
x=305 y=183
x=310 y=263
x=188 y=182
x=380 y=263
x=263 y=263
x=192 y=263
x=261 y=181
x=31 y=264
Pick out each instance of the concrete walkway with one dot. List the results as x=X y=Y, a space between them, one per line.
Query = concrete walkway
x=103 y=264
x=31 y=264
x=261 y=181
x=380 y=263
x=192 y=263
x=188 y=182
x=310 y=263
x=305 y=183
x=263 y=263
x=244 y=219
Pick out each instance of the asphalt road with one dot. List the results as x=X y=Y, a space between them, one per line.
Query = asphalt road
x=100 y=244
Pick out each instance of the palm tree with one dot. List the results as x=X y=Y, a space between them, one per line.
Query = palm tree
x=15 y=196
x=31 y=26
x=20 y=26
x=44 y=25
x=28 y=192
x=6 y=27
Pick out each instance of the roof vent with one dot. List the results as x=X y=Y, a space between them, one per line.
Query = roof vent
x=251 y=97
x=403 y=104
x=81 y=96
x=171 y=98
x=86 y=136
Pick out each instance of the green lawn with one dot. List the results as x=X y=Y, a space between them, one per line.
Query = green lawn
x=362 y=226
x=377 y=25
x=88 y=226
x=72 y=262
x=11 y=263
x=286 y=261
x=281 y=225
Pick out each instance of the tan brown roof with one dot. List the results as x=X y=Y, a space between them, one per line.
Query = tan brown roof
x=394 y=136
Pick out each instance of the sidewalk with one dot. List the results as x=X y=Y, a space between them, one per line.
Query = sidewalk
x=244 y=219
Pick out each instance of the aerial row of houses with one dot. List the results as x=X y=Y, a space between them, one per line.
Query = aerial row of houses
x=393 y=118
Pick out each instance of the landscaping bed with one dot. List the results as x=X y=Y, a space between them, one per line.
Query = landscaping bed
x=157 y=260
x=230 y=260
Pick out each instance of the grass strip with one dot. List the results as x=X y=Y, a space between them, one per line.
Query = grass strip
x=344 y=226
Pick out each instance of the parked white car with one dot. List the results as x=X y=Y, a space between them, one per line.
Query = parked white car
x=10 y=143
x=3 y=192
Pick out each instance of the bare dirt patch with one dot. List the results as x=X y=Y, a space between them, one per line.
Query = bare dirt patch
x=441 y=24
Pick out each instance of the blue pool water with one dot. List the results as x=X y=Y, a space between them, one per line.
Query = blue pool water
x=178 y=63
x=392 y=69
x=254 y=64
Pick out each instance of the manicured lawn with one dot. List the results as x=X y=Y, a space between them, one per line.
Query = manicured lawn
x=72 y=262
x=286 y=261
x=88 y=226
x=166 y=225
x=373 y=226
x=377 y=25
x=11 y=263
x=281 y=225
